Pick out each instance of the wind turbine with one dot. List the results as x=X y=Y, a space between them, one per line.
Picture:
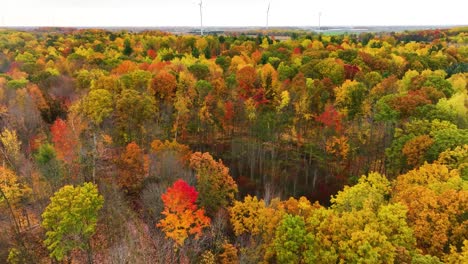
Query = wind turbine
x=201 y=17
x=319 y=16
x=268 y=14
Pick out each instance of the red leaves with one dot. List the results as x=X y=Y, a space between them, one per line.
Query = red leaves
x=64 y=141
x=330 y=118
x=151 y=53
x=350 y=71
x=180 y=197
x=297 y=50
x=182 y=216
x=406 y=104
x=229 y=111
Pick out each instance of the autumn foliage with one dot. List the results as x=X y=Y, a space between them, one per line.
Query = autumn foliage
x=132 y=167
x=65 y=141
x=183 y=218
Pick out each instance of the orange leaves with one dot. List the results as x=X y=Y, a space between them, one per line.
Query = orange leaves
x=164 y=85
x=183 y=218
x=436 y=204
x=416 y=148
x=125 y=67
x=131 y=167
x=246 y=78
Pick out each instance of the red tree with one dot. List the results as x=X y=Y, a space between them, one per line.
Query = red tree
x=182 y=217
x=330 y=118
x=65 y=141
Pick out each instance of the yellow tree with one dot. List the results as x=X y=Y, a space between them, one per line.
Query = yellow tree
x=437 y=199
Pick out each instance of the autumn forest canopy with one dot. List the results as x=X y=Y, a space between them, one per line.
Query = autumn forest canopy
x=149 y=147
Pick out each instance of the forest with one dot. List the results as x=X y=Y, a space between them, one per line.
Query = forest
x=150 y=147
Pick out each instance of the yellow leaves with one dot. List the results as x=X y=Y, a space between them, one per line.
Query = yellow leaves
x=459 y=82
x=456 y=159
x=237 y=63
x=11 y=187
x=371 y=192
x=265 y=43
x=432 y=176
x=338 y=147
x=201 y=43
x=458 y=257
x=250 y=109
x=268 y=76
x=246 y=217
x=284 y=100
x=10 y=145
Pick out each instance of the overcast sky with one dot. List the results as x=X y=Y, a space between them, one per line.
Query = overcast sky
x=231 y=12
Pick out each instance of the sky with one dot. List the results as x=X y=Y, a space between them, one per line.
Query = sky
x=158 y=13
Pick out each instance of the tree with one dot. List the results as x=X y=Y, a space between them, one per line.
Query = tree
x=65 y=141
x=247 y=217
x=70 y=220
x=290 y=239
x=131 y=168
x=182 y=216
x=350 y=97
x=436 y=199
x=98 y=105
x=456 y=159
x=216 y=186
x=128 y=50
x=163 y=86
x=246 y=78
x=133 y=111
x=415 y=150
x=371 y=191
x=10 y=146
x=50 y=167
x=229 y=255
x=199 y=70
x=12 y=188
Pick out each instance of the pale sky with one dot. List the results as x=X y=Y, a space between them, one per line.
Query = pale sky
x=231 y=12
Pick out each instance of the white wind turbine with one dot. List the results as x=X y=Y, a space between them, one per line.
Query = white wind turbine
x=319 y=16
x=201 y=17
x=268 y=14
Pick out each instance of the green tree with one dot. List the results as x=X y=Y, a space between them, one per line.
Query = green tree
x=70 y=220
x=216 y=186
x=290 y=239
x=128 y=50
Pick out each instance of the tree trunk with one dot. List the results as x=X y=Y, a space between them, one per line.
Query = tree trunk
x=94 y=156
x=89 y=252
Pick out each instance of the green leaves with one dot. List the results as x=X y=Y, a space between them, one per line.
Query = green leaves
x=290 y=239
x=70 y=219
